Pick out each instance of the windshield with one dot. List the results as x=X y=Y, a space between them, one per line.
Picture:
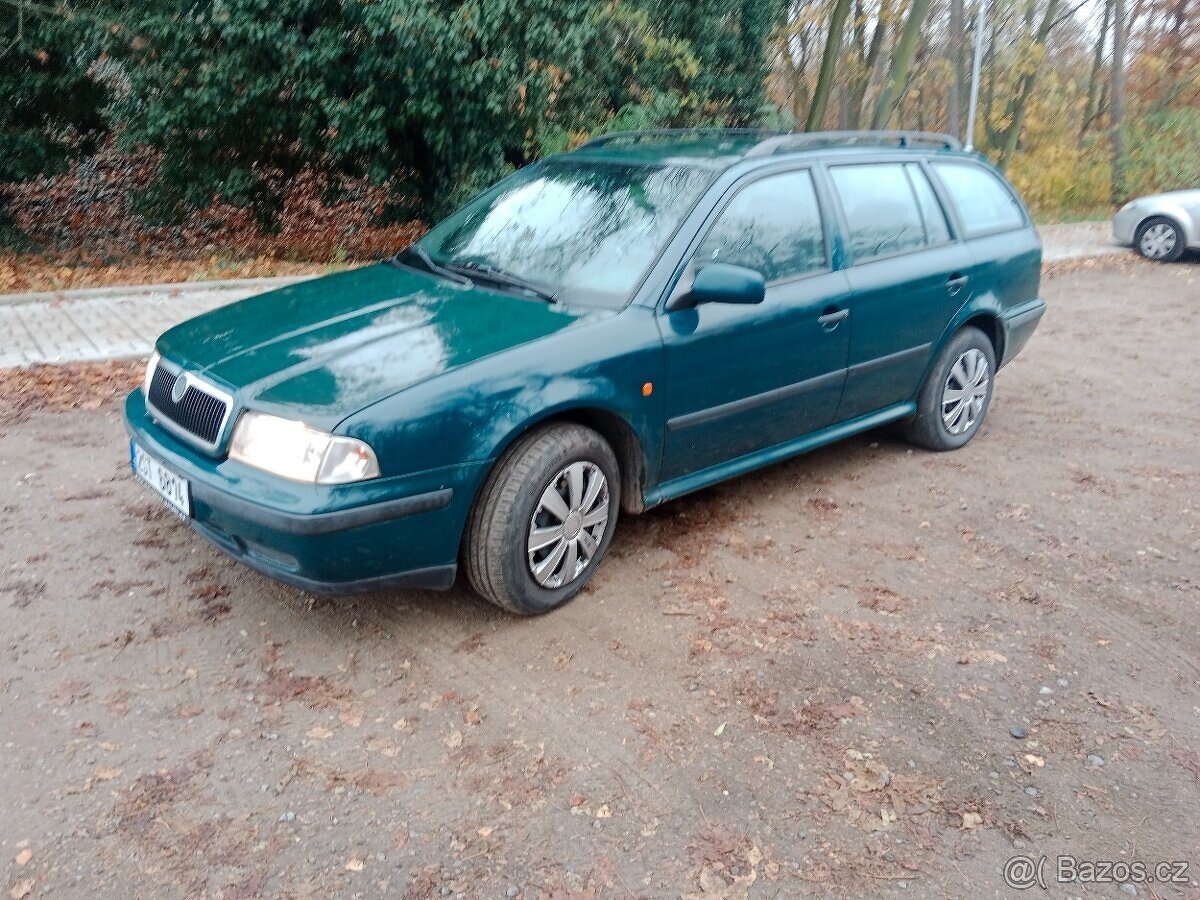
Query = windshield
x=581 y=232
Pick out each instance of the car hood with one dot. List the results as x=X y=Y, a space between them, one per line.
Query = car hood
x=323 y=349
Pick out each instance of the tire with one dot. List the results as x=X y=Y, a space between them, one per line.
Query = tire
x=563 y=460
x=942 y=424
x=1160 y=239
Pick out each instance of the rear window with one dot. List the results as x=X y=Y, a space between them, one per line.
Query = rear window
x=984 y=202
x=890 y=208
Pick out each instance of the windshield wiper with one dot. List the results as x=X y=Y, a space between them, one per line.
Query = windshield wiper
x=427 y=261
x=502 y=278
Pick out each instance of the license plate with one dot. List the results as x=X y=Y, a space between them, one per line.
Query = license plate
x=171 y=487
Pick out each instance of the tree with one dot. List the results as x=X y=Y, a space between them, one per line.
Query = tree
x=833 y=41
x=1095 y=89
x=902 y=60
x=1029 y=71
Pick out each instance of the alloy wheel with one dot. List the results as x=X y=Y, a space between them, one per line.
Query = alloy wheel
x=1158 y=241
x=568 y=525
x=965 y=392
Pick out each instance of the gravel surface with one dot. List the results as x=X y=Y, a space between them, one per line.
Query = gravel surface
x=871 y=671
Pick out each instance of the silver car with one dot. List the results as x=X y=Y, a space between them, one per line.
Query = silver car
x=1160 y=226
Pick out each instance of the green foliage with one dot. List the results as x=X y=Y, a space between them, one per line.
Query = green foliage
x=443 y=96
x=1061 y=177
x=1162 y=152
x=49 y=106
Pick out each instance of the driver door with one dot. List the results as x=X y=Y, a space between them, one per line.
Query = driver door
x=741 y=379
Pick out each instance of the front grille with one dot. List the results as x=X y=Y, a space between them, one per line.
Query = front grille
x=201 y=412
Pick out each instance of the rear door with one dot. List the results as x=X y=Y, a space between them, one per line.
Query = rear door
x=907 y=276
x=742 y=378
x=1005 y=249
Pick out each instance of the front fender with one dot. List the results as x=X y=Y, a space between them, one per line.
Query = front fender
x=572 y=398
x=473 y=414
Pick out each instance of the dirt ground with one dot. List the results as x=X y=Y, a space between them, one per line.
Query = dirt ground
x=811 y=681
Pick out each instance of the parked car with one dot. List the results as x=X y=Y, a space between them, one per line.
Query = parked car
x=1160 y=226
x=605 y=330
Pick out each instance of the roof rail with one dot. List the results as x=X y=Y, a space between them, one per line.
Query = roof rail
x=802 y=140
x=666 y=133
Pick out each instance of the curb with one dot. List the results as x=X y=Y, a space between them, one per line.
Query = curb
x=135 y=290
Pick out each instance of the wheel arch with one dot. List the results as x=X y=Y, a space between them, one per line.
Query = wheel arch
x=610 y=425
x=983 y=314
x=989 y=323
x=1176 y=216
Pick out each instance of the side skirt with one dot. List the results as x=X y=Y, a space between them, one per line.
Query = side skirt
x=694 y=481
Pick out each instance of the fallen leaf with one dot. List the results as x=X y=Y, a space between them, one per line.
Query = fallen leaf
x=870 y=776
x=720 y=730
x=982 y=656
x=21 y=889
x=24 y=856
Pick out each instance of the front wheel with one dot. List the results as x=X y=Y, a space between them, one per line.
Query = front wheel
x=956 y=394
x=543 y=520
x=1159 y=239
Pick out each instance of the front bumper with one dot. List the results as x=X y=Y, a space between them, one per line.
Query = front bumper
x=385 y=533
x=1124 y=225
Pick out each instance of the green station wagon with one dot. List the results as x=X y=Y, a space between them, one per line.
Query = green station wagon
x=604 y=330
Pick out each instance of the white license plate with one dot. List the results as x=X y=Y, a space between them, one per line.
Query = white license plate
x=171 y=487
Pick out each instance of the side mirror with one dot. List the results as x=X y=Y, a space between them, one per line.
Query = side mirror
x=722 y=283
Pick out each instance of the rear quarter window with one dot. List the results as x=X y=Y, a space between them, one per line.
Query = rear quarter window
x=985 y=204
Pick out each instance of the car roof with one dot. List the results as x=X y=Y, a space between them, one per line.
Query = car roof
x=720 y=148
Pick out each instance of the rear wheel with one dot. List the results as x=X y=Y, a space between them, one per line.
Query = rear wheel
x=543 y=520
x=956 y=395
x=1160 y=239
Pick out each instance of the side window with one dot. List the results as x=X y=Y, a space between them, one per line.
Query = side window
x=984 y=202
x=883 y=210
x=772 y=225
x=931 y=211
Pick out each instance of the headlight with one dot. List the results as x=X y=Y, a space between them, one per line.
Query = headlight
x=151 y=365
x=293 y=450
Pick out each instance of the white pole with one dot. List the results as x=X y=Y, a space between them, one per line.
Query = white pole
x=976 y=63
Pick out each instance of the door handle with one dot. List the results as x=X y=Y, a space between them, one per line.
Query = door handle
x=956 y=283
x=830 y=319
